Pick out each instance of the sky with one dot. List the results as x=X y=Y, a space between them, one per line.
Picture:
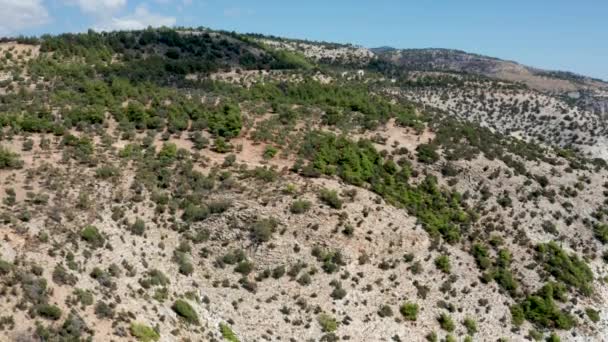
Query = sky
x=551 y=34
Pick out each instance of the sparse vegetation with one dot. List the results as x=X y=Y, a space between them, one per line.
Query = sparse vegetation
x=160 y=173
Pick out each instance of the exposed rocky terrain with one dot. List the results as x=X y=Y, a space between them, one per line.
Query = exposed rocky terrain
x=205 y=186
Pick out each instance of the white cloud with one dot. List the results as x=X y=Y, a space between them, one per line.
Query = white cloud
x=16 y=15
x=100 y=7
x=140 y=19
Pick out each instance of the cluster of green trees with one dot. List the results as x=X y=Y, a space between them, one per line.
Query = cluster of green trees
x=540 y=309
x=83 y=104
x=343 y=103
x=566 y=268
x=440 y=211
x=570 y=273
x=165 y=55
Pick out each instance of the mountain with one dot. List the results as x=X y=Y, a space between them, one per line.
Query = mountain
x=582 y=90
x=200 y=185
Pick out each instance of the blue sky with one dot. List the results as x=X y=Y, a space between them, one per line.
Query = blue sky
x=554 y=34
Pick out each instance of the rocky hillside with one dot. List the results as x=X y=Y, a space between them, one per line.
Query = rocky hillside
x=588 y=93
x=571 y=108
x=166 y=185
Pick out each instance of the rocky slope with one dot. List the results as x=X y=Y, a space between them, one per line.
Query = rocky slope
x=195 y=185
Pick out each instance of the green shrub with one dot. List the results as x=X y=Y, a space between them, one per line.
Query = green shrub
x=427 y=153
x=49 y=311
x=300 y=206
x=138 y=227
x=409 y=311
x=263 y=229
x=227 y=333
x=107 y=171
x=265 y=174
x=5 y=267
x=446 y=323
x=84 y=297
x=331 y=198
x=9 y=160
x=270 y=152
x=184 y=310
x=601 y=232
x=442 y=262
x=144 y=333
x=328 y=323
x=471 y=325
x=92 y=236
x=593 y=315
x=481 y=255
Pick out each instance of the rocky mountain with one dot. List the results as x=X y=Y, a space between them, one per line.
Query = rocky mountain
x=198 y=185
x=589 y=93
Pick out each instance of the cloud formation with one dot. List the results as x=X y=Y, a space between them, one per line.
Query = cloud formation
x=19 y=15
x=139 y=19
x=100 y=7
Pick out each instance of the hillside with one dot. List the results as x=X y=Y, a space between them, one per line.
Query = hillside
x=586 y=92
x=199 y=185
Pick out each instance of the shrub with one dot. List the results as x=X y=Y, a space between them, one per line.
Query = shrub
x=385 y=311
x=193 y=213
x=92 y=236
x=265 y=174
x=300 y=206
x=157 y=278
x=5 y=267
x=446 y=323
x=263 y=229
x=244 y=267
x=144 y=333
x=339 y=293
x=409 y=311
x=138 y=227
x=107 y=171
x=442 y=262
x=103 y=310
x=427 y=153
x=185 y=310
x=481 y=255
x=227 y=333
x=278 y=272
x=9 y=160
x=593 y=314
x=49 y=311
x=270 y=152
x=601 y=232
x=331 y=198
x=84 y=297
x=328 y=324
x=471 y=325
